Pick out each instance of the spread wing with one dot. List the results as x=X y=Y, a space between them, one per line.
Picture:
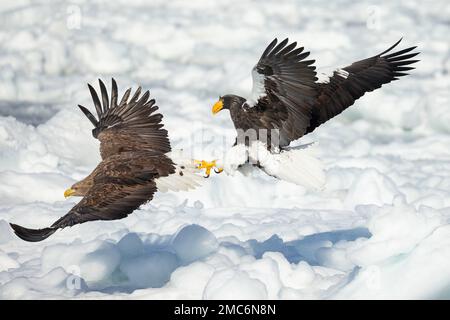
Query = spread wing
x=121 y=201
x=352 y=82
x=283 y=81
x=128 y=125
x=123 y=183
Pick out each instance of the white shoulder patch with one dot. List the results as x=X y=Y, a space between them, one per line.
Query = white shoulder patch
x=325 y=77
x=342 y=73
x=258 y=88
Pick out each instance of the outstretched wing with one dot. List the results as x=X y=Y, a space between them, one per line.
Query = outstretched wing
x=128 y=125
x=124 y=183
x=284 y=81
x=352 y=82
x=120 y=201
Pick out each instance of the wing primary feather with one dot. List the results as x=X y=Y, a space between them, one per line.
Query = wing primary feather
x=144 y=98
x=114 y=93
x=136 y=95
x=405 y=63
x=125 y=97
x=105 y=98
x=269 y=47
x=279 y=47
x=398 y=53
x=150 y=103
x=89 y=115
x=287 y=49
x=404 y=57
x=32 y=235
x=395 y=44
x=96 y=100
x=295 y=52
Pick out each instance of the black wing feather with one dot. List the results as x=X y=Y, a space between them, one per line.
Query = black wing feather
x=105 y=99
x=363 y=76
x=32 y=235
x=89 y=115
x=290 y=87
x=114 y=93
x=97 y=105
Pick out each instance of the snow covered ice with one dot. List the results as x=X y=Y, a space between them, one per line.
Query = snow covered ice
x=380 y=228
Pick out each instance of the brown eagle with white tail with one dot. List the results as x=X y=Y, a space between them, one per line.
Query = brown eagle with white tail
x=136 y=162
x=287 y=100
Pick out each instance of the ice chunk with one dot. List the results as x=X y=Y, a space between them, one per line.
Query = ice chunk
x=395 y=230
x=151 y=270
x=230 y=284
x=194 y=242
x=100 y=264
x=95 y=260
x=6 y=262
x=130 y=245
x=5 y=232
x=371 y=187
x=192 y=279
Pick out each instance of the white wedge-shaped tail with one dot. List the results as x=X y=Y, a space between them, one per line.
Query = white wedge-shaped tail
x=186 y=176
x=297 y=165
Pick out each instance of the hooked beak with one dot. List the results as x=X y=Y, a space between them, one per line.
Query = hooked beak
x=217 y=106
x=69 y=192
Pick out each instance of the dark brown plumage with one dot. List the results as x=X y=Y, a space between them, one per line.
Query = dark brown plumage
x=133 y=147
x=287 y=97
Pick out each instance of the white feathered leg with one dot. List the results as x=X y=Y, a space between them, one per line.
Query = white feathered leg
x=236 y=156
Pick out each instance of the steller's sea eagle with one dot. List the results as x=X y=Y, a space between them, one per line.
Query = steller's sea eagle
x=136 y=162
x=288 y=102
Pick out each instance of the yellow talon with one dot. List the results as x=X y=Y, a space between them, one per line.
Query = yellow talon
x=202 y=164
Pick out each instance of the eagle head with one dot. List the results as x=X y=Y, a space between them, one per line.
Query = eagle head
x=228 y=101
x=80 y=188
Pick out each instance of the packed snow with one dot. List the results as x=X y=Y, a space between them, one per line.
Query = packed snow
x=380 y=228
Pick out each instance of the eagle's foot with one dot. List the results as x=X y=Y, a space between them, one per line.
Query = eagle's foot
x=202 y=164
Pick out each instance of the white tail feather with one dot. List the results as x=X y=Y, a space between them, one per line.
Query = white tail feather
x=296 y=165
x=186 y=176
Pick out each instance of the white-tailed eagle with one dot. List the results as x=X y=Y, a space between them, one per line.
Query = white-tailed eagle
x=136 y=162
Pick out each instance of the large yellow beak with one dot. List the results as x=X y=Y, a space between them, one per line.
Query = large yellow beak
x=217 y=106
x=69 y=192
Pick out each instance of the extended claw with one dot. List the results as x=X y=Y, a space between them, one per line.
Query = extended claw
x=202 y=164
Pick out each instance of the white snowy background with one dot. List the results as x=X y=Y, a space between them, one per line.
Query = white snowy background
x=379 y=229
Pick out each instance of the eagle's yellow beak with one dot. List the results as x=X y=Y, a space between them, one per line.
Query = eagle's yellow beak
x=69 y=192
x=217 y=106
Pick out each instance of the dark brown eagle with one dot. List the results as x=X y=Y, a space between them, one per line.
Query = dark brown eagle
x=288 y=102
x=136 y=162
